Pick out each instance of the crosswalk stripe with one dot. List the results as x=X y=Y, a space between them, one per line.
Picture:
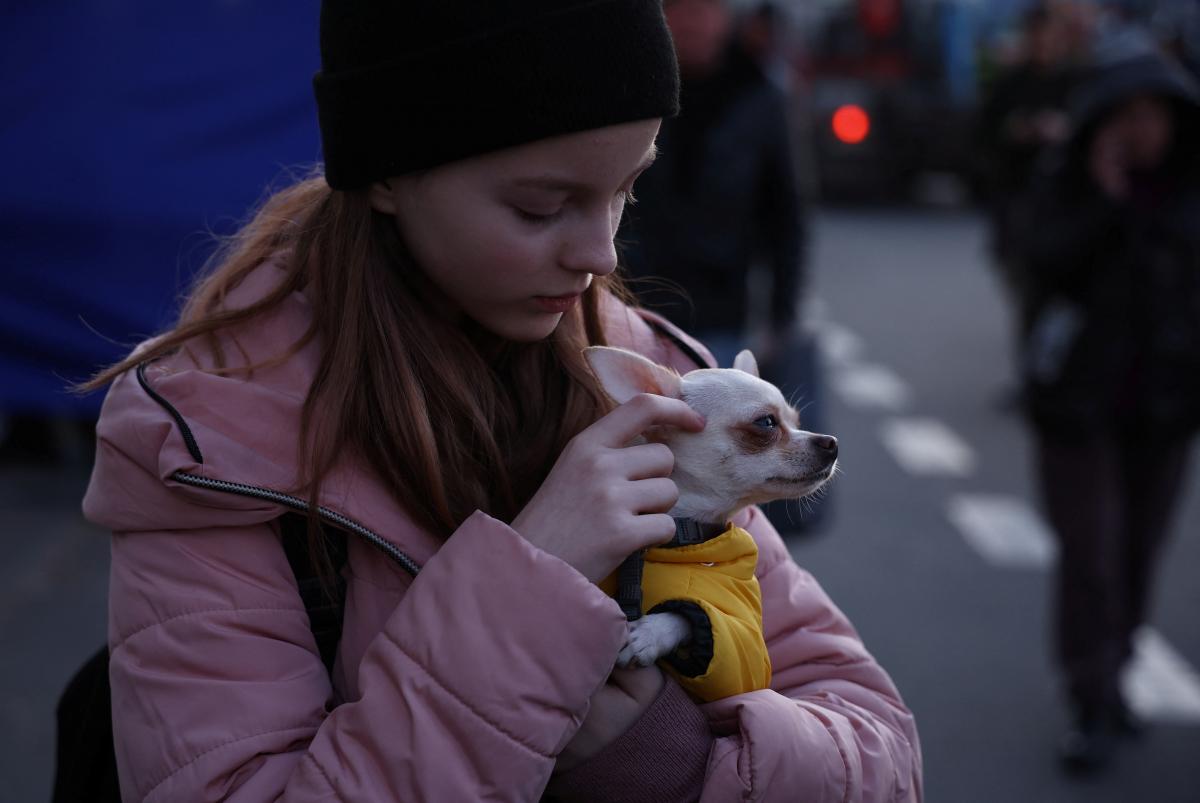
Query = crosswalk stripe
x=839 y=345
x=871 y=386
x=1160 y=684
x=927 y=446
x=1005 y=530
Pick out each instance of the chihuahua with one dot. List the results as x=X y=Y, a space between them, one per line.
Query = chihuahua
x=752 y=451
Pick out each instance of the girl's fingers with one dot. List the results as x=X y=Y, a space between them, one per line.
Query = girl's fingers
x=650 y=529
x=656 y=495
x=640 y=413
x=647 y=460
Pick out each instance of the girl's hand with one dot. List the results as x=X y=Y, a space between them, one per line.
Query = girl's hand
x=604 y=499
x=615 y=707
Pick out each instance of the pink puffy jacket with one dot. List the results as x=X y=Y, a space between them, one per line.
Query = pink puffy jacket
x=461 y=684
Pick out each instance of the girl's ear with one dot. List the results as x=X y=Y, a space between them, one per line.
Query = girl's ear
x=624 y=374
x=382 y=195
x=745 y=361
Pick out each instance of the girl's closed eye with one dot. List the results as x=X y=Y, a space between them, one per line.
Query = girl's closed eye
x=538 y=205
x=536 y=216
x=533 y=213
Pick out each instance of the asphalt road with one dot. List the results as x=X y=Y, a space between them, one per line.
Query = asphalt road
x=915 y=329
x=916 y=353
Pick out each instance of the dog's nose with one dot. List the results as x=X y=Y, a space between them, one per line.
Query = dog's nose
x=826 y=443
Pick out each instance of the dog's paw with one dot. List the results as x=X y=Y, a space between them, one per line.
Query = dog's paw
x=650 y=638
x=639 y=650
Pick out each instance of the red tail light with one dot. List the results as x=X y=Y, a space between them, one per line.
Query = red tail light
x=851 y=124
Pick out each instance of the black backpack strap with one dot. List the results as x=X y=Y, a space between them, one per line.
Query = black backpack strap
x=85 y=763
x=325 y=603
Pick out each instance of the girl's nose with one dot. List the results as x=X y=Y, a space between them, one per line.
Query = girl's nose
x=591 y=248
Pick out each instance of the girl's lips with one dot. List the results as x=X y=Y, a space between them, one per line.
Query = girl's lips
x=557 y=303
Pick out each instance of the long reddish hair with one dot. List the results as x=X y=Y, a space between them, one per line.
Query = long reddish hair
x=447 y=429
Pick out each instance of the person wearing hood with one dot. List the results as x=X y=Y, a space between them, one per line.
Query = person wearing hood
x=1112 y=363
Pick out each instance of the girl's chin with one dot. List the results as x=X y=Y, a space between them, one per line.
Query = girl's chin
x=526 y=330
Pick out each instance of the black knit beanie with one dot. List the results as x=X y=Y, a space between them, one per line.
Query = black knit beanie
x=411 y=84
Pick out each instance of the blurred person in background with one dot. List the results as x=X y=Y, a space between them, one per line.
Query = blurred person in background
x=394 y=346
x=760 y=34
x=723 y=195
x=766 y=34
x=1112 y=363
x=1024 y=112
x=724 y=201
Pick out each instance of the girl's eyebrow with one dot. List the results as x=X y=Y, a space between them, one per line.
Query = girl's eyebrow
x=559 y=184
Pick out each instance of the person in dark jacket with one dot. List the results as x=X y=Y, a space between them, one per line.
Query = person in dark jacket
x=723 y=194
x=722 y=199
x=1024 y=113
x=1112 y=362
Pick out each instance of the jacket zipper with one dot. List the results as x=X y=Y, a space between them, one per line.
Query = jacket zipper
x=298 y=504
x=294 y=502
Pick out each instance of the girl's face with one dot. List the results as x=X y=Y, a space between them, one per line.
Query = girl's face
x=513 y=238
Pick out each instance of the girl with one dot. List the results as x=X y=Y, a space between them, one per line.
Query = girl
x=395 y=347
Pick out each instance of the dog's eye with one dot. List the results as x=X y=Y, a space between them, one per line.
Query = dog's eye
x=766 y=422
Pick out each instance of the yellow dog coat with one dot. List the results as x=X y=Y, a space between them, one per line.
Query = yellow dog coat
x=712 y=585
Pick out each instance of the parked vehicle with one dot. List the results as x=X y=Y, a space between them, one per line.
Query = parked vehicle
x=891 y=95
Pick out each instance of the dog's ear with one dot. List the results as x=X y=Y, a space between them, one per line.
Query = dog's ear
x=624 y=374
x=745 y=361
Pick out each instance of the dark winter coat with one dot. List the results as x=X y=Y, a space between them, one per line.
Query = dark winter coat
x=1009 y=162
x=721 y=197
x=1113 y=305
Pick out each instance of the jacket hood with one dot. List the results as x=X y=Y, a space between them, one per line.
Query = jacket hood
x=1122 y=65
x=183 y=446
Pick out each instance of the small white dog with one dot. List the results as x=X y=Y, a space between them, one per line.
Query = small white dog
x=752 y=451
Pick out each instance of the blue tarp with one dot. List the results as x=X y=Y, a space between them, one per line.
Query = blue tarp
x=131 y=132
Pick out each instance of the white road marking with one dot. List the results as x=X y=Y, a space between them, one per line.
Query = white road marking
x=815 y=310
x=1005 y=530
x=839 y=345
x=871 y=386
x=1160 y=684
x=927 y=446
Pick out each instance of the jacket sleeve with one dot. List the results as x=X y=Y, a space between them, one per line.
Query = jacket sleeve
x=832 y=727
x=480 y=676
